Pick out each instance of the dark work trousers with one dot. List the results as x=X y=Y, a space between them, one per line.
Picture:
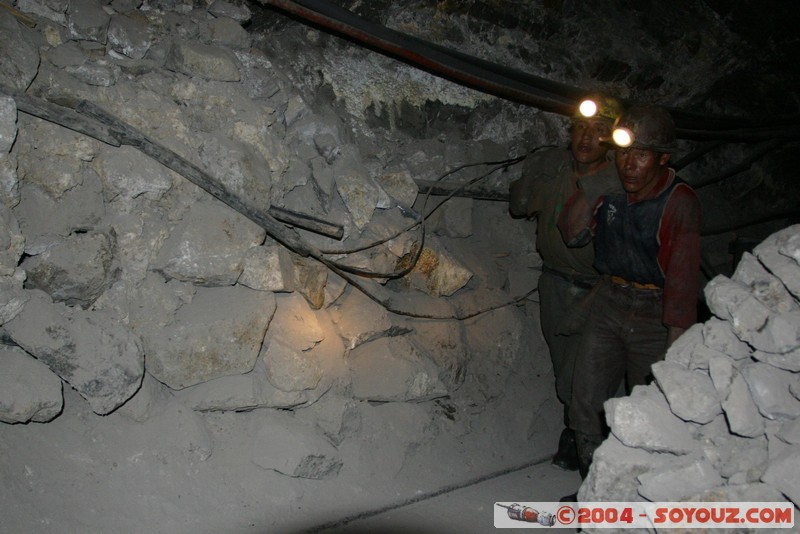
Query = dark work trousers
x=557 y=295
x=623 y=338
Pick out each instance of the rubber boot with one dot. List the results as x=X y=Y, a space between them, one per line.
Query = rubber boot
x=586 y=445
x=566 y=457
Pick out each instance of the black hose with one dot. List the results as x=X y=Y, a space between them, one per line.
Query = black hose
x=512 y=84
x=439 y=60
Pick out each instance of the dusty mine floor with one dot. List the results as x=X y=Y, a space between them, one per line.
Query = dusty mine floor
x=90 y=474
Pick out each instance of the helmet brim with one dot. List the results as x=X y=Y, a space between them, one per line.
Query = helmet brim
x=666 y=149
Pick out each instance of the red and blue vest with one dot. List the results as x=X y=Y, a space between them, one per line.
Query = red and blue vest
x=626 y=236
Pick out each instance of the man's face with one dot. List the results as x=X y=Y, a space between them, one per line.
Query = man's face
x=639 y=169
x=585 y=136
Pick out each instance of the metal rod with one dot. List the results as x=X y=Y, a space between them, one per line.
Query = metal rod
x=448 y=188
x=61 y=115
x=307 y=222
x=130 y=136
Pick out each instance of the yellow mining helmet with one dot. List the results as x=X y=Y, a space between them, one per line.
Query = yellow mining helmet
x=598 y=106
x=647 y=127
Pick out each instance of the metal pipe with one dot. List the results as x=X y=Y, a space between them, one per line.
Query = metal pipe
x=434 y=58
x=96 y=123
x=460 y=190
x=741 y=166
x=512 y=84
x=694 y=155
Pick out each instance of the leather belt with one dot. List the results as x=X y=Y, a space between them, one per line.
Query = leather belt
x=581 y=281
x=618 y=280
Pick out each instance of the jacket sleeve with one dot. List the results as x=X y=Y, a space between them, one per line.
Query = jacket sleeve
x=525 y=194
x=679 y=257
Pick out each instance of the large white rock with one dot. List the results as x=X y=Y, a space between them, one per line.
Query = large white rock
x=392 y=369
x=29 y=391
x=90 y=350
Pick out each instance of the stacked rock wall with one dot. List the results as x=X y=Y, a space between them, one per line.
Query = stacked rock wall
x=720 y=422
x=126 y=282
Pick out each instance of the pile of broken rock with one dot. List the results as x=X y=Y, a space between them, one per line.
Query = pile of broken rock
x=720 y=422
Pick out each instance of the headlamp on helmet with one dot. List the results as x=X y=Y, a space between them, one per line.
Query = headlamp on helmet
x=646 y=127
x=588 y=108
x=622 y=137
x=598 y=106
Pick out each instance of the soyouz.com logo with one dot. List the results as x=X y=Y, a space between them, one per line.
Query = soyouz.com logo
x=645 y=515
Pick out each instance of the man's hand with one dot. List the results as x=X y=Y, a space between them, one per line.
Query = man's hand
x=519 y=195
x=574 y=220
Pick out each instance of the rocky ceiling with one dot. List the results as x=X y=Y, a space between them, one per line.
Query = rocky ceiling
x=736 y=59
x=726 y=70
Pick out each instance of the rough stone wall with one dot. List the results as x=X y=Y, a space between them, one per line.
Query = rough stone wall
x=126 y=282
x=721 y=420
x=707 y=57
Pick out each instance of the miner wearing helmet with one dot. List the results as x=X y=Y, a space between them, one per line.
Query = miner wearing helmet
x=549 y=178
x=647 y=248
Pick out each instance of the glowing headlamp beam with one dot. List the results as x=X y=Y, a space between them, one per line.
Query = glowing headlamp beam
x=623 y=137
x=588 y=108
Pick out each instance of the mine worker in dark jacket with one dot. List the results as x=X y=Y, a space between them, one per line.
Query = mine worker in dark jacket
x=647 y=248
x=549 y=178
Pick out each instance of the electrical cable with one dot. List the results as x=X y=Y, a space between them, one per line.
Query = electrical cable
x=528 y=89
x=499 y=165
x=89 y=119
x=385 y=302
x=380 y=241
x=742 y=166
x=427 y=496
